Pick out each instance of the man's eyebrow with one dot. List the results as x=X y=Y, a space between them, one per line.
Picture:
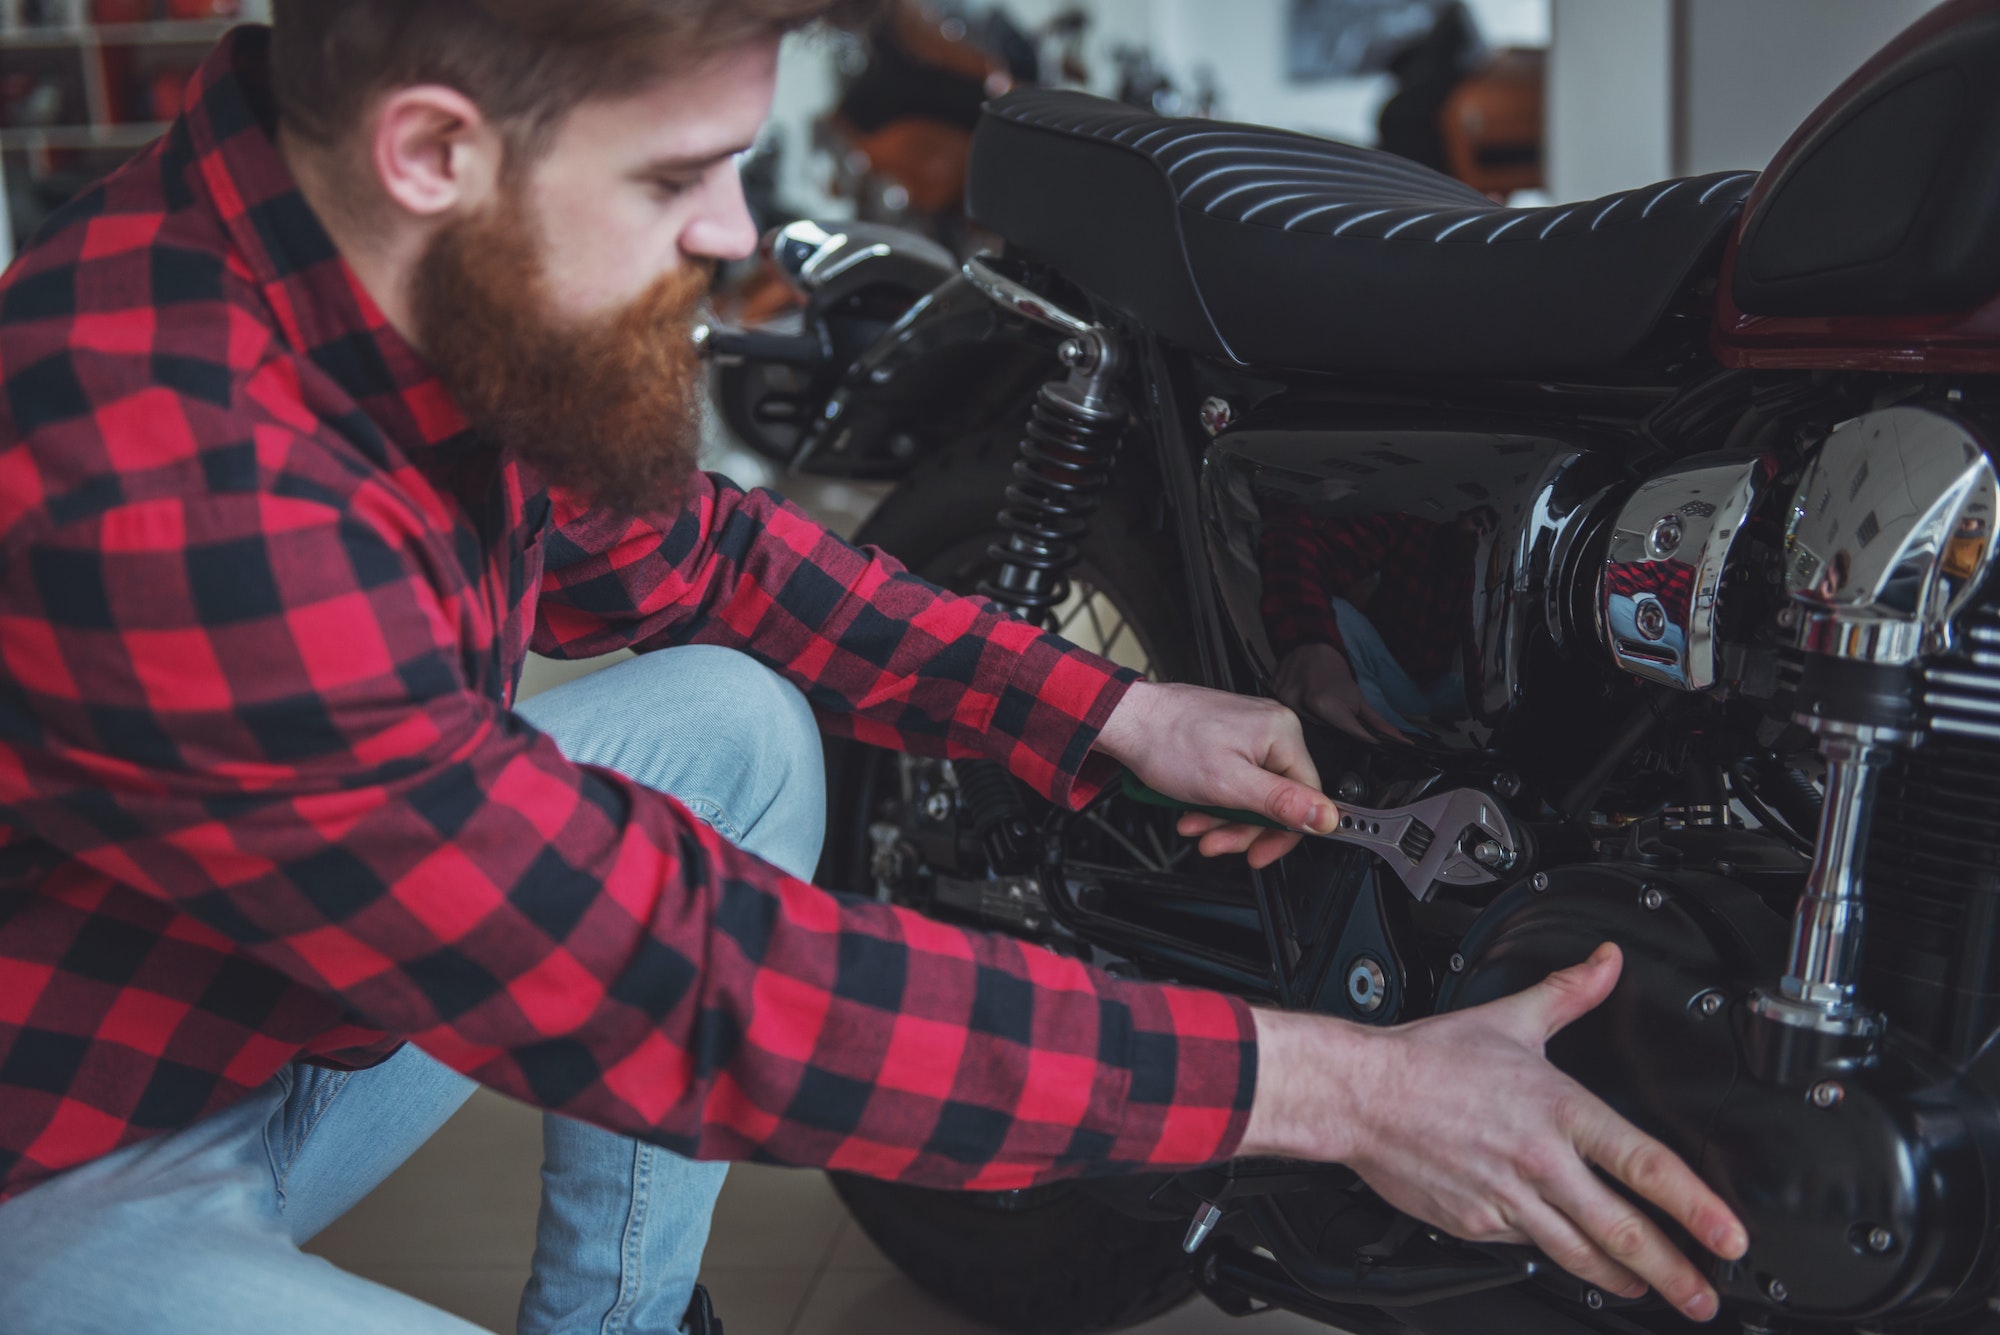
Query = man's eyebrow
x=692 y=162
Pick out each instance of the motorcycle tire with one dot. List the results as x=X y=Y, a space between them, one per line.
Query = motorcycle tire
x=1052 y=1260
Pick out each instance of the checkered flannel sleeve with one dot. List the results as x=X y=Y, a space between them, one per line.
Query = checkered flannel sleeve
x=882 y=655
x=254 y=708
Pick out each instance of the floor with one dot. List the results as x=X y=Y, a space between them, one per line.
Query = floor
x=456 y=1225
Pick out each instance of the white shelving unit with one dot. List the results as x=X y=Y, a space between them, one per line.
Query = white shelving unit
x=62 y=120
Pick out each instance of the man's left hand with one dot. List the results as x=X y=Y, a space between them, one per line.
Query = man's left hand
x=1211 y=748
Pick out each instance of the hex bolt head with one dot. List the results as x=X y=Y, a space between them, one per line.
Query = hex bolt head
x=1826 y=1094
x=1708 y=1004
x=938 y=806
x=1367 y=985
x=1652 y=898
x=1507 y=784
x=1651 y=619
x=1539 y=882
x=1457 y=962
x=1880 y=1240
x=1593 y=1299
x=1666 y=537
x=1777 y=1290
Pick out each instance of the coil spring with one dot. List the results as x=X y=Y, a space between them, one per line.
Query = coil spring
x=1059 y=481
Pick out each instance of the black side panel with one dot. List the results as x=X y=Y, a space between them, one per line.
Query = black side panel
x=1114 y=235
x=1893 y=207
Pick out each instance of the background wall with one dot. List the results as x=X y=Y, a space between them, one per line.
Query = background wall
x=1644 y=89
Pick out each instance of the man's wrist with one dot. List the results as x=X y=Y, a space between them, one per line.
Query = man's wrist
x=1313 y=1084
x=1118 y=738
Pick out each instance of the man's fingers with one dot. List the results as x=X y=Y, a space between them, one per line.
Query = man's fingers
x=1229 y=839
x=1659 y=1175
x=1271 y=845
x=1631 y=1240
x=1195 y=824
x=1551 y=1230
x=1568 y=994
x=1297 y=807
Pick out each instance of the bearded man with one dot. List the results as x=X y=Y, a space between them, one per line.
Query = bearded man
x=375 y=371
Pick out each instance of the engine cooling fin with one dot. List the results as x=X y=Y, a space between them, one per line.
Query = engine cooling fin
x=1932 y=888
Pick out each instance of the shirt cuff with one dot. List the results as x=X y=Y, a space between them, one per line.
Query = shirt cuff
x=1048 y=719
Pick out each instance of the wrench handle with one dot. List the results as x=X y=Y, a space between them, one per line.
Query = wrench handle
x=1139 y=792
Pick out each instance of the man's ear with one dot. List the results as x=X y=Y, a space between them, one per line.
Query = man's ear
x=433 y=151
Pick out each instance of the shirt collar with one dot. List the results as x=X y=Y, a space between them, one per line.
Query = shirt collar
x=318 y=303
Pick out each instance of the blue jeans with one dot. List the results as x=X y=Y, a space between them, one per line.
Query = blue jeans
x=199 y=1230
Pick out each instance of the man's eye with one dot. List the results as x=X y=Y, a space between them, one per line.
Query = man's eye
x=669 y=188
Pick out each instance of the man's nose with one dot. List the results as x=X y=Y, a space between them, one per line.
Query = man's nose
x=724 y=229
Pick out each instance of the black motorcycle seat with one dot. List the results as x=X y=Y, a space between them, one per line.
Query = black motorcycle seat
x=1280 y=249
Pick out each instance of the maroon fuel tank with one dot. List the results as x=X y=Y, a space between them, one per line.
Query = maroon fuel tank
x=1873 y=240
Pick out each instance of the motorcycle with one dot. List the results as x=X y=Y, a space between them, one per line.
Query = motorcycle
x=1628 y=564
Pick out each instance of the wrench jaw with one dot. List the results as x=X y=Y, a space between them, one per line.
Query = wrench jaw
x=1433 y=842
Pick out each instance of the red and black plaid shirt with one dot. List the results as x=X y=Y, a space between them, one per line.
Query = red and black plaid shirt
x=1421 y=606
x=265 y=602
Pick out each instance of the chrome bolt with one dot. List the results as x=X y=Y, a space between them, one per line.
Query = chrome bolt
x=1507 y=784
x=1367 y=985
x=1880 y=1240
x=1776 y=1288
x=1652 y=898
x=1593 y=1299
x=1203 y=1224
x=1457 y=962
x=1539 y=882
x=1826 y=1094
x=1707 y=1004
x=1650 y=617
x=938 y=806
x=1788 y=616
x=1489 y=853
x=1216 y=416
x=1350 y=788
x=1666 y=537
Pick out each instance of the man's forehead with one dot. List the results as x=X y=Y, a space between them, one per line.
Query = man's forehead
x=692 y=116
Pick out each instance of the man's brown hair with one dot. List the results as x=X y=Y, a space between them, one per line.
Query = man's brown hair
x=525 y=63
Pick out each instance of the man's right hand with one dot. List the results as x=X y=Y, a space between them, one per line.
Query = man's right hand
x=1461 y=1121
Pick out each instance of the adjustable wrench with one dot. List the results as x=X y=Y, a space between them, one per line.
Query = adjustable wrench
x=1458 y=837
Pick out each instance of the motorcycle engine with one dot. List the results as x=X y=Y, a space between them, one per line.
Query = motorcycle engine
x=1836 y=1078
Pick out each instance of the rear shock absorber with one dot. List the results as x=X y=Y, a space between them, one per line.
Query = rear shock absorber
x=1059 y=481
x=1066 y=455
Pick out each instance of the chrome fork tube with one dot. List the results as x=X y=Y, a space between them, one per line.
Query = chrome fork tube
x=1824 y=965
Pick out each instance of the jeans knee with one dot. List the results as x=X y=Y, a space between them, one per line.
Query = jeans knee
x=730 y=738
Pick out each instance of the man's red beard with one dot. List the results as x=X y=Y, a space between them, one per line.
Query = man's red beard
x=609 y=407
